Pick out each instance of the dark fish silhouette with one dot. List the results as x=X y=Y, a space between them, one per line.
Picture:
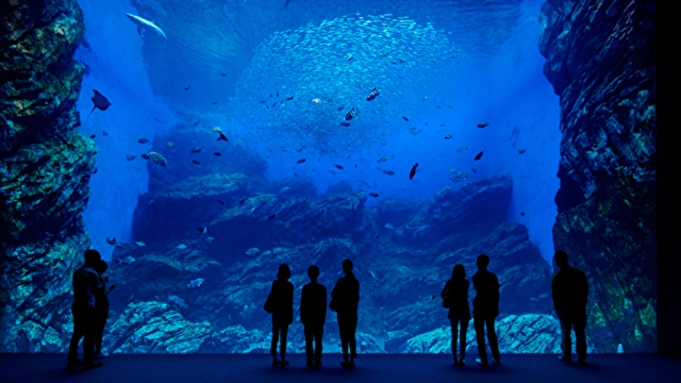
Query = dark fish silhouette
x=405 y=118
x=339 y=167
x=142 y=140
x=222 y=137
x=373 y=94
x=130 y=157
x=202 y=229
x=93 y=136
x=412 y=173
x=300 y=161
x=104 y=133
x=345 y=124
x=286 y=3
x=289 y=98
x=100 y=102
x=243 y=200
x=271 y=217
x=221 y=202
x=217 y=154
x=521 y=151
x=196 y=162
x=351 y=114
x=483 y=124
x=375 y=195
x=448 y=137
x=478 y=156
x=223 y=74
x=195 y=150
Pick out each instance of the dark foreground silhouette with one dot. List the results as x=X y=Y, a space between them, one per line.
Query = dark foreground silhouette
x=570 y=291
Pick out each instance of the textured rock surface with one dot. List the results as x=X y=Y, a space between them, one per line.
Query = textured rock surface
x=600 y=60
x=45 y=166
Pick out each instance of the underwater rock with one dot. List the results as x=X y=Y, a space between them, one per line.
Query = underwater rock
x=236 y=340
x=396 y=341
x=152 y=327
x=600 y=59
x=46 y=166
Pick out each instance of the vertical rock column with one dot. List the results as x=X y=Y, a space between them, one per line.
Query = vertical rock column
x=600 y=58
x=45 y=167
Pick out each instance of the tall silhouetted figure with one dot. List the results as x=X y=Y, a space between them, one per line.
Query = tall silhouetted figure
x=85 y=286
x=281 y=296
x=344 y=301
x=455 y=297
x=313 y=317
x=101 y=305
x=570 y=290
x=486 y=309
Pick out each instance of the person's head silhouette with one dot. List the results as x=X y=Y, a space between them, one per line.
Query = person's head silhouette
x=284 y=272
x=347 y=266
x=458 y=272
x=101 y=267
x=92 y=257
x=313 y=273
x=561 y=258
x=482 y=262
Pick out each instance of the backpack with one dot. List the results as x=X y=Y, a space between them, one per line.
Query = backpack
x=447 y=299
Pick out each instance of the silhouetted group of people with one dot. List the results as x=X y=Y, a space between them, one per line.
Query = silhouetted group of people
x=90 y=310
x=344 y=301
x=569 y=286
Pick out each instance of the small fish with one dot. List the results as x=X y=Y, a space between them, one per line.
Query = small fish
x=111 y=241
x=222 y=137
x=99 y=102
x=474 y=170
x=375 y=195
x=196 y=122
x=339 y=167
x=140 y=243
x=449 y=106
x=483 y=124
x=130 y=157
x=300 y=161
x=93 y=136
x=350 y=57
x=181 y=246
x=223 y=74
x=373 y=94
x=158 y=159
x=271 y=217
x=142 y=140
x=383 y=159
x=195 y=162
x=216 y=129
x=405 y=118
x=412 y=173
x=389 y=172
x=144 y=156
x=202 y=229
x=346 y=124
x=195 y=150
x=316 y=100
x=221 y=202
x=215 y=102
x=351 y=114
x=187 y=87
x=415 y=131
x=478 y=156
x=217 y=154
x=105 y=133
x=195 y=283
x=252 y=251
x=341 y=107
x=389 y=226
x=448 y=137
x=300 y=149
x=243 y=200
x=289 y=98
x=522 y=213
x=170 y=144
x=521 y=151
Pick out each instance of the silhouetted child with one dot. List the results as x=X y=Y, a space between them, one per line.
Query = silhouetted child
x=313 y=316
x=101 y=305
x=344 y=301
x=569 y=291
x=455 y=297
x=486 y=309
x=281 y=296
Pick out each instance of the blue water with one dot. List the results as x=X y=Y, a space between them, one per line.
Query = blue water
x=495 y=78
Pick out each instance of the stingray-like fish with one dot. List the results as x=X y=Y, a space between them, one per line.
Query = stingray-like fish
x=140 y=22
x=100 y=102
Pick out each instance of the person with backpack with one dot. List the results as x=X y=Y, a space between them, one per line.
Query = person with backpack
x=280 y=304
x=455 y=298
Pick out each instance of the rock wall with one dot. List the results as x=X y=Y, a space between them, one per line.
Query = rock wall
x=45 y=166
x=600 y=58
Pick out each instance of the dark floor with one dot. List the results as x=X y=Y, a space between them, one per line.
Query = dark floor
x=370 y=368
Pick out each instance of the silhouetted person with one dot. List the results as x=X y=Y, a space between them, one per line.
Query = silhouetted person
x=570 y=290
x=313 y=316
x=455 y=293
x=101 y=305
x=282 y=313
x=85 y=286
x=345 y=298
x=486 y=309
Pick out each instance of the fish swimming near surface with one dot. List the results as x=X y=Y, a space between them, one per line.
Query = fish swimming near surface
x=100 y=102
x=157 y=158
x=478 y=156
x=351 y=114
x=412 y=173
x=195 y=283
x=144 y=23
x=252 y=251
x=373 y=94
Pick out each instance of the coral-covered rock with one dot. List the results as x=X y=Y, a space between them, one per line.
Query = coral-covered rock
x=600 y=58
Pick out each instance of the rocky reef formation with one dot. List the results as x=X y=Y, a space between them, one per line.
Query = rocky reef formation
x=600 y=58
x=45 y=166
